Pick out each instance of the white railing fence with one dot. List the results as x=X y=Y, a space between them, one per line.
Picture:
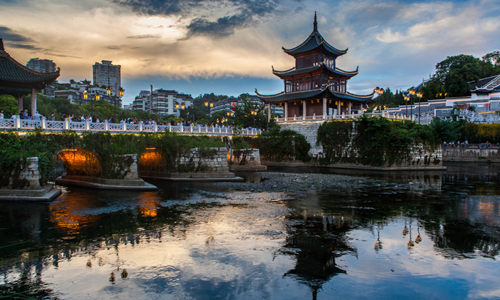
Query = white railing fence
x=59 y=126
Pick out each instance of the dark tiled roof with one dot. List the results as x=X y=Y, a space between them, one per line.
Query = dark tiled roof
x=293 y=71
x=15 y=75
x=313 y=42
x=314 y=93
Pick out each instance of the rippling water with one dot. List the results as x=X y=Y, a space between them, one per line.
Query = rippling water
x=401 y=235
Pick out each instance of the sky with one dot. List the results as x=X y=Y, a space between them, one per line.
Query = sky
x=230 y=46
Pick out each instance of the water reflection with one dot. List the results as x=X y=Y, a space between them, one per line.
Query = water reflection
x=368 y=239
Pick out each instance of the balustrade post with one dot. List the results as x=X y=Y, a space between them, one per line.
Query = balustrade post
x=182 y=129
x=66 y=124
x=87 y=125
x=206 y=129
x=169 y=127
x=44 y=123
x=106 y=125
x=17 y=122
x=213 y=129
x=226 y=130
x=140 y=126
x=314 y=116
x=191 y=129
x=220 y=129
x=124 y=128
x=155 y=128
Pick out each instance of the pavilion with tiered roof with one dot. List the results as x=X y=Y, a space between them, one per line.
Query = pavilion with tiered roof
x=18 y=80
x=315 y=86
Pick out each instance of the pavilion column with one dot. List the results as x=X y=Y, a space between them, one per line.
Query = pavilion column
x=304 y=110
x=349 y=108
x=324 y=108
x=19 y=104
x=338 y=108
x=286 y=111
x=269 y=112
x=33 y=101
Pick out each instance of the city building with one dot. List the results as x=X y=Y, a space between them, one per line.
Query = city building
x=41 y=65
x=74 y=92
x=163 y=102
x=315 y=87
x=231 y=103
x=107 y=74
x=484 y=98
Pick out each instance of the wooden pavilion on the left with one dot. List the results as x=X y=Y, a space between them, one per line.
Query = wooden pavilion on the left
x=18 y=80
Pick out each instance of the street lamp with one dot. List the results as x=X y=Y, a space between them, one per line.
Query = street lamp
x=380 y=92
x=407 y=98
x=419 y=95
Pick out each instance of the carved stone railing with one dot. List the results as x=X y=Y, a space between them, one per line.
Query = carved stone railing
x=60 y=126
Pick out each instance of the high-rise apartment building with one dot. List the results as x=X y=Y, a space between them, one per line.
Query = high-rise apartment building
x=41 y=65
x=106 y=74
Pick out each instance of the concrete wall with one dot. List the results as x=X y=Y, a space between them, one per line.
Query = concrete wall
x=473 y=155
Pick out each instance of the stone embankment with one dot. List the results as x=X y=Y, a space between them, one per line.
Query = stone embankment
x=471 y=153
x=33 y=191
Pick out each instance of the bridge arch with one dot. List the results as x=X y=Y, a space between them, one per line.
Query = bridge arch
x=80 y=162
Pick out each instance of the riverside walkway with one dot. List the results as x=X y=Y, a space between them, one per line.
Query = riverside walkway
x=60 y=126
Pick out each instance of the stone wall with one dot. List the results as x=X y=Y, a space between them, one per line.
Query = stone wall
x=196 y=163
x=244 y=157
x=309 y=130
x=472 y=155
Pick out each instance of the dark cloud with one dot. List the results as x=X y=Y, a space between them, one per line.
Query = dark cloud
x=24 y=46
x=60 y=55
x=247 y=12
x=9 y=35
x=222 y=27
x=144 y=36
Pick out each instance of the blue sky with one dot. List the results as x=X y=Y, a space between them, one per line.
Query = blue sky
x=229 y=46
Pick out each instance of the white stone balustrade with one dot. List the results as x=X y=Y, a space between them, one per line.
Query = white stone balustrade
x=60 y=126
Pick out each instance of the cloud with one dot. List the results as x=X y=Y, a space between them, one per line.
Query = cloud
x=144 y=36
x=9 y=35
x=222 y=27
x=25 y=46
x=205 y=14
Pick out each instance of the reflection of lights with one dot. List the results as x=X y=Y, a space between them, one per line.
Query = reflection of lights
x=148 y=204
x=66 y=214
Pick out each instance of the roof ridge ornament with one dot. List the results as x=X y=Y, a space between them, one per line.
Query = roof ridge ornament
x=1 y=45
x=315 y=27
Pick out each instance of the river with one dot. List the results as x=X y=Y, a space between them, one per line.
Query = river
x=284 y=234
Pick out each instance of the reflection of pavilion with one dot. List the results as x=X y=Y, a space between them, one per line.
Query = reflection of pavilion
x=315 y=246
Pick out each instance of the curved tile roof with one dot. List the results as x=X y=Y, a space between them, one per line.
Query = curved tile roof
x=293 y=71
x=15 y=75
x=313 y=93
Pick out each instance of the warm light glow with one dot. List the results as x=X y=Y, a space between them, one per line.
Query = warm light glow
x=97 y=97
x=85 y=95
x=121 y=92
x=183 y=106
x=176 y=105
x=108 y=91
x=211 y=104
x=206 y=103
x=80 y=162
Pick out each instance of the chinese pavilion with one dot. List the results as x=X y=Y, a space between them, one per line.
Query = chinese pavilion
x=18 y=80
x=315 y=86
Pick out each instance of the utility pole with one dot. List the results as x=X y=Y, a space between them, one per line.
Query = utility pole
x=151 y=100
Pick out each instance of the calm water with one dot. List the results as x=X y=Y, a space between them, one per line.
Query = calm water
x=425 y=235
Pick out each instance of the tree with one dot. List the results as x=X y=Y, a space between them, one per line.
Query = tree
x=433 y=89
x=9 y=105
x=457 y=72
x=492 y=58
